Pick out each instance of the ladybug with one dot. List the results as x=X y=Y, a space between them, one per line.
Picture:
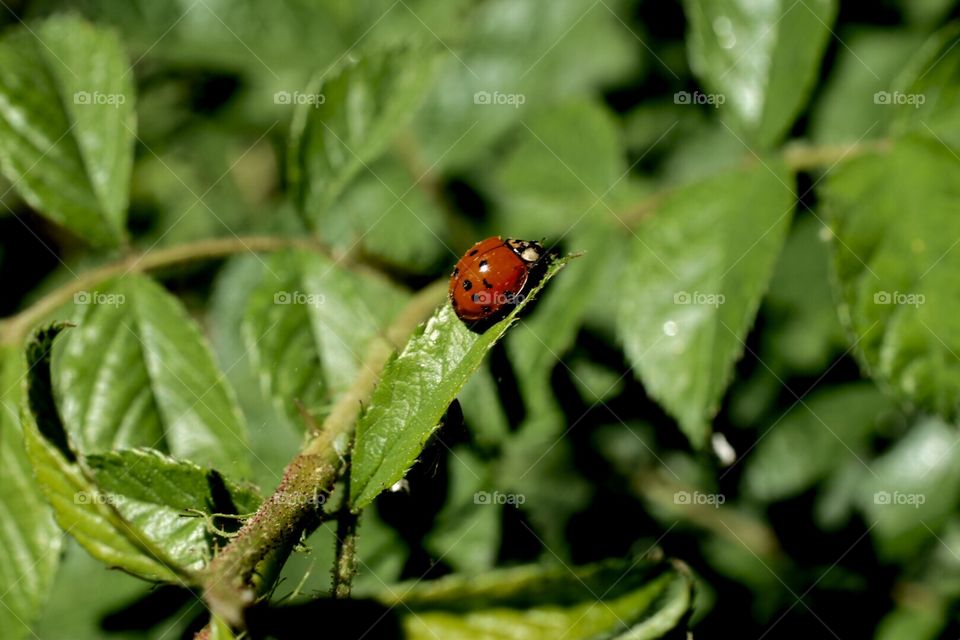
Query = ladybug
x=492 y=276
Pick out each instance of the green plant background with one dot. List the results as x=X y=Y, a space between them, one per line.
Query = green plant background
x=735 y=412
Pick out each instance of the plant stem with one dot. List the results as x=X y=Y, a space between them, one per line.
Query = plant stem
x=803 y=156
x=14 y=328
x=797 y=155
x=291 y=511
x=345 y=550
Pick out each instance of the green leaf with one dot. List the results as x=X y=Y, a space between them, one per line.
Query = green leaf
x=814 y=439
x=925 y=12
x=136 y=372
x=29 y=538
x=307 y=325
x=86 y=593
x=563 y=166
x=923 y=622
x=390 y=213
x=159 y=496
x=468 y=529
x=846 y=110
x=762 y=58
x=219 y=630
x=691 y=290
x=521 y=54
x=482 y=409
x=414 y=392
x=925 y=99
x=914 y=489
x=67 y=124
x=80 y=509
x=274 y=437
x=801 y=329
x=614 y=599
x=364 y=103
x=896 y=218
x=543 y=339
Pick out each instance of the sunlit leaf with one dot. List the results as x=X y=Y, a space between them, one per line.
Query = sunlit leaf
x=67 y=124
x=30 y=542
x=760 y=58
x=616 y=600
x=80 y=508
x=136 y=372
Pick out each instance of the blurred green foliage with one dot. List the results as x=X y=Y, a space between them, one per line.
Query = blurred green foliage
x=752 y=369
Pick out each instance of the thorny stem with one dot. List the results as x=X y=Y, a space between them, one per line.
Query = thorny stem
x=345 y=555
x=290 y=512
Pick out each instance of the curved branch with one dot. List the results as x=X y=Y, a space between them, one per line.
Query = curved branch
x=15 y=328
x=294 y=508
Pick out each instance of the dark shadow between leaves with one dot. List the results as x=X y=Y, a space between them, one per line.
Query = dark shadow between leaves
x=341 y=619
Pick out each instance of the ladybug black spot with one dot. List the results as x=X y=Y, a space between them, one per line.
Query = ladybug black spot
x=487 y=284
x=456 y=271
x=483 y=263
x=473 y=253
x=467 y=285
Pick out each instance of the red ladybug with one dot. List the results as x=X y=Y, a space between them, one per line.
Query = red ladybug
x=492 y=276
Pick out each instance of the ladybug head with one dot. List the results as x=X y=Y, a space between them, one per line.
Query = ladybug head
x=528 y=250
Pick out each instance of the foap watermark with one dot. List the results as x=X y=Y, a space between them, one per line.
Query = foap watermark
x=486 y=497
x=899 y=498
x=699 y=298
x=298 y=97
x=97 y=98
x=96 y=297
x=697 y=97
x=899 y=299
x=300 y=498
x=699 y=498
x=497 y=98
x=299 y=297
x=915 y=100
x=88 y=497
x=498 y=299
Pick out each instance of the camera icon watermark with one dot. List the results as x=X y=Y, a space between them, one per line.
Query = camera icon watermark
x=298 y=97
x=97 y=98
x=84 y=298
x=712 y=99
x=699 y=498
x=699 y=298
x=899 y=299
x=299 y=297
x=497 y=98
x=486 y=497
x=898 y=498
x=914 y=100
